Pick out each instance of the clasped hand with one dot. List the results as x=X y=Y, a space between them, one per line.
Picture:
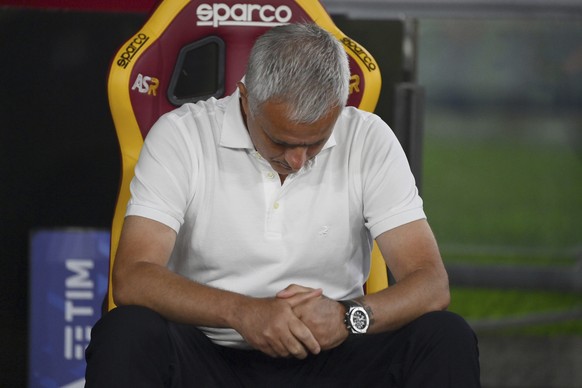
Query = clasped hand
x=297 y=321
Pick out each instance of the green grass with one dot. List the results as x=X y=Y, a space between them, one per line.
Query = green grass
x=499 y=193
x=505 y=256
x=506 y=190
x=478 y=304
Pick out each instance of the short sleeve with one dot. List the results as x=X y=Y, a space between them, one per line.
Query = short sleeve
x=164 y=175
x=390 y=195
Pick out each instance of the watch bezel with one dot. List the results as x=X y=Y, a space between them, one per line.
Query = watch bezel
x=352 y=308
x=353 y=324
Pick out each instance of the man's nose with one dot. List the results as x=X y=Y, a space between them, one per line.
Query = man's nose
x=296 y=157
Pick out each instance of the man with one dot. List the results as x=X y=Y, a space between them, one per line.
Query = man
x=247 y=242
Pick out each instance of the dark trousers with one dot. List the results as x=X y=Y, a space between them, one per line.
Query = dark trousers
x=135 y=347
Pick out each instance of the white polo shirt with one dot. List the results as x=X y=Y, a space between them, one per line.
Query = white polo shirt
x=239 y=229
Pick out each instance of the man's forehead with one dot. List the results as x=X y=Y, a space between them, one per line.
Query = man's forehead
x=289 y=134
x=282 y=141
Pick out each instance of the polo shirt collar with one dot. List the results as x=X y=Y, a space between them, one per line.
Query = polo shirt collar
x=234 y=132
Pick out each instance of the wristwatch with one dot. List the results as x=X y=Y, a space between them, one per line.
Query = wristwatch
x=356 y=319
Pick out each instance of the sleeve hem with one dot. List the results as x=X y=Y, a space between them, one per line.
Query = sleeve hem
x=396 y=220
x=153 y=214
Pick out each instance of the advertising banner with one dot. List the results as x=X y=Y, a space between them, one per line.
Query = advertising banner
x=68 y=282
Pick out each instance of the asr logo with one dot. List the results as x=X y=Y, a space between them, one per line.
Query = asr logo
x=354 y=83
x=146 y=85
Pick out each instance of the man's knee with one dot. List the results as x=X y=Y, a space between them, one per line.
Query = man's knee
x=446 y=329
x=443 y=352
x=444 y=320
x=129 y=346
x=128 y=327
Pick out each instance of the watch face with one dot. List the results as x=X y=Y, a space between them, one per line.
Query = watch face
x=359 y=320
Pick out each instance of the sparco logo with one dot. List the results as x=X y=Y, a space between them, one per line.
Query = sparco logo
x=132 y=48
x=353 y=46
x=220 y=14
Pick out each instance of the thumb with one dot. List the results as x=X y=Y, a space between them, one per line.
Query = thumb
x=293 y=289
x=296 y=299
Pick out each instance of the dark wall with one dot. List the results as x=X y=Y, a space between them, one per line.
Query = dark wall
x=59 y=161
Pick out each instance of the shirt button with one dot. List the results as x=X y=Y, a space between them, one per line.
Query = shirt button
x=270 y=175
x=276 y=205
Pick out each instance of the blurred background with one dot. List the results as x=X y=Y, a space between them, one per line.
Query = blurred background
x=498 y=157
x=502 y=183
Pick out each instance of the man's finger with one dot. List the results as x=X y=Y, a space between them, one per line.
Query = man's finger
x=304 y=292
x=300 y=298
x=302 y=333
x=293 y=289
x=296 y=348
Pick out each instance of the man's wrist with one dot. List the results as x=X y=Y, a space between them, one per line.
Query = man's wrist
x=240 y=307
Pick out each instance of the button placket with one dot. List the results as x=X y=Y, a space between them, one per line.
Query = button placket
x=272 y=192
x=270 y=175
x=274 y=219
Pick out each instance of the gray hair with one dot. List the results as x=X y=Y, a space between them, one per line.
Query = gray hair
x=301 y=65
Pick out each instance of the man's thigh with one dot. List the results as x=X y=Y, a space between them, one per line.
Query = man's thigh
x=373 y=360
x=436 y=347
x=198 y=362
x=133 y=346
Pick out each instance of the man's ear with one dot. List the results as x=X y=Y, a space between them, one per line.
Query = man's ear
x=242 y=89
x=244 y=101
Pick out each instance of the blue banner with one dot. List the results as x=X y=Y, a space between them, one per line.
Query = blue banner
x=68 y=281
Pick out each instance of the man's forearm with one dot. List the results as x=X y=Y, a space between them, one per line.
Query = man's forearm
x=174 y=296
x=422 y=291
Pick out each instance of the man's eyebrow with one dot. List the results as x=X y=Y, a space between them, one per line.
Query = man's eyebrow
x=291 y=145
